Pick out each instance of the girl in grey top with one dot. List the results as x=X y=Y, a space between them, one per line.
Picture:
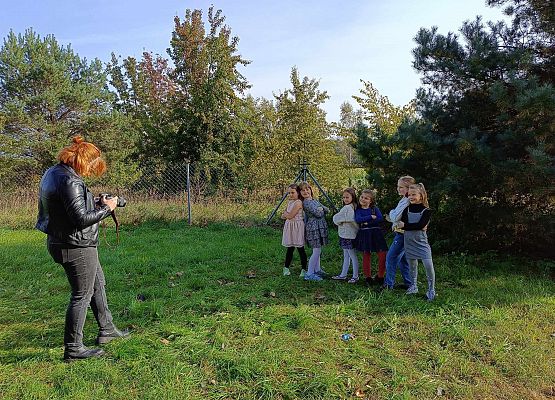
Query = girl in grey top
x=413 y=220
x=316 y=231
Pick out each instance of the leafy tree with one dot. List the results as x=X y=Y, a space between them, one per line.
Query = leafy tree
x=146 y=93
x=484 y=146
x=302 y=134
x=379 y=113
x=343 y=132
x=380 y=119
x=258 y=118
x=48 y=94
x=210 y=84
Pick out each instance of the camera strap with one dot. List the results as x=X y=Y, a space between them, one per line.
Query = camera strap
x=116 y=222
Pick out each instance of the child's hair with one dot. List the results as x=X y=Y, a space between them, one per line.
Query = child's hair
x=407 y=180
x=353 y=194
x=419 y=187
x=372 y=196
x=297 y=188
x=304 y=185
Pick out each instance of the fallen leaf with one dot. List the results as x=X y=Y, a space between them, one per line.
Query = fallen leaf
x=165 y=341
x=319 y=296
x=272 y=294
x=179 y=274
x=359 y=393
x=440 y=391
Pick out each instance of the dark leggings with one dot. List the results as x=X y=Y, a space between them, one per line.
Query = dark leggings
x=289 y=256
x=86 y=279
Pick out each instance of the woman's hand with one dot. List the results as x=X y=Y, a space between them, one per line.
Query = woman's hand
x=111 y=202
x=374 y=216
x=400 y=224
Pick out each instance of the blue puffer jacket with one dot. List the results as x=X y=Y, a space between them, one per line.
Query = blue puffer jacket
x=67 y=212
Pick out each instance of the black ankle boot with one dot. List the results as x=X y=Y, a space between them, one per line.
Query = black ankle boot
x=81 y=354
x=108 y=336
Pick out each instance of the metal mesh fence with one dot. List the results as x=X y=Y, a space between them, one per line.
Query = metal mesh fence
x=164 y=192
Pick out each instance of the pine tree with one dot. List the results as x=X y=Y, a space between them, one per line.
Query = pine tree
x=47 y=95
x=484 y=146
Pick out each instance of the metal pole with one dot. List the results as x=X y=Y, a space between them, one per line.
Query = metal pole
x=323 y=191
x=189 y=193
x=282 y=200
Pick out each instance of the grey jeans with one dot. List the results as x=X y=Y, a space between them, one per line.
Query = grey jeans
x=86 y=279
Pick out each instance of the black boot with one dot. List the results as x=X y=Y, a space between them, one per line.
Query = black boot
x=108 y=336
x=81 y=354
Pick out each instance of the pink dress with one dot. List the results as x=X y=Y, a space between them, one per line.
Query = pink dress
x=293 y=230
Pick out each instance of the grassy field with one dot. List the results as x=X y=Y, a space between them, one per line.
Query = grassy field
x=213 y=318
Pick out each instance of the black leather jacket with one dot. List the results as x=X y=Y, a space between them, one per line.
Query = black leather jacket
x=67 y=213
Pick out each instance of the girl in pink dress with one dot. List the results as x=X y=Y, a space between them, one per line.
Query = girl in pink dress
x=293 y=229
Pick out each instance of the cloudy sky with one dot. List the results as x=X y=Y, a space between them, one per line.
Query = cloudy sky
x=336 y=42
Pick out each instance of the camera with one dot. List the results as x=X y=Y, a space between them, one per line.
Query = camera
x=121 y=201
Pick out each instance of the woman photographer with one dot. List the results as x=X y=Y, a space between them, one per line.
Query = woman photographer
x=69 y=216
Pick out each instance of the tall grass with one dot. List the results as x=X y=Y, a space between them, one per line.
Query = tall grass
x=20 y=211
x=213 y=318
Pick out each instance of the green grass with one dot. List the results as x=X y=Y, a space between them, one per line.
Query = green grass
x=207 y=331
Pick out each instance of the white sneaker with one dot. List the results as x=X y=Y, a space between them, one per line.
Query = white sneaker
x=313 y=277
x=412 y=290
x=286 y=271
x=302 y=274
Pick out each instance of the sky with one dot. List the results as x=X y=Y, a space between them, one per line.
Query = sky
x=338 y=43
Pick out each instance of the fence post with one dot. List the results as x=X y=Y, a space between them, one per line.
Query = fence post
x=189 y=193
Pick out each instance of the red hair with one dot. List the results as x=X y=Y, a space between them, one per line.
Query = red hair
x=83 y=157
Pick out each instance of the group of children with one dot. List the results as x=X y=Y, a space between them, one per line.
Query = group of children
x=360 y=229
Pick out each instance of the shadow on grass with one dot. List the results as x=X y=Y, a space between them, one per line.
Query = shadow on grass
x=175 y=274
